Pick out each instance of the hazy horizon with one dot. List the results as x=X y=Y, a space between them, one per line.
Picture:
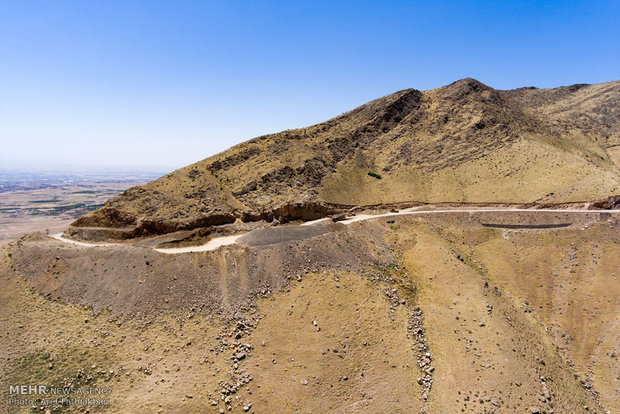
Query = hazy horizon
x=160 y=85
x=74 y=168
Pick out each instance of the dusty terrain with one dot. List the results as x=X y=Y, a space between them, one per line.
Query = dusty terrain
x=512 y=320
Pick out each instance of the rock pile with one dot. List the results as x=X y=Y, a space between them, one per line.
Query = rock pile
x=392 y=295
x=416 y=331
x=227 y=390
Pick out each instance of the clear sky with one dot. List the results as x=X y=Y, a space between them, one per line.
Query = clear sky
x=162 y=84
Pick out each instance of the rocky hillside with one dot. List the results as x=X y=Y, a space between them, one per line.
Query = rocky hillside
x=412 y=314
x=464 y=142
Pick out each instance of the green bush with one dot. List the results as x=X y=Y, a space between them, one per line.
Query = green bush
x=373 y=174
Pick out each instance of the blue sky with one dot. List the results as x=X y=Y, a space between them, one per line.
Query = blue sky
x=161 y=84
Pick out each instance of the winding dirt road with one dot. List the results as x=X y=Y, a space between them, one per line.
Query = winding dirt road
x=228 y=240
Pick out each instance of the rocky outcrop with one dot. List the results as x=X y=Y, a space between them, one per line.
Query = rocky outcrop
x=611 y=203
x=110 y=224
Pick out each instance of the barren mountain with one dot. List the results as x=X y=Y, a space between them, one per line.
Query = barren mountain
x=464 y=142
x=433 y=313
x=497 y=291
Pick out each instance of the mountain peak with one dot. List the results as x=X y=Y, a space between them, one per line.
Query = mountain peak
x=469 y=82
x=463 y=87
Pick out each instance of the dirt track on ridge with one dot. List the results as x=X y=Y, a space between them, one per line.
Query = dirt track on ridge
x=272 y=235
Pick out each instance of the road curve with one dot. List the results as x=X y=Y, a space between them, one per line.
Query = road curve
x=228 y=240
x=58 y=236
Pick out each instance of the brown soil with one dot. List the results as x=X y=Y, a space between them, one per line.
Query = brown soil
x=335 y=322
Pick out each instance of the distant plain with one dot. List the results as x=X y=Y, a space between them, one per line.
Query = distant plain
x=48 y=201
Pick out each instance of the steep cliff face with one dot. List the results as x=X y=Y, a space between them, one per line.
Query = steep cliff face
x=464 y=142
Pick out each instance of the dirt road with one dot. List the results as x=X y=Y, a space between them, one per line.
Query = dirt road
x=281 y=233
